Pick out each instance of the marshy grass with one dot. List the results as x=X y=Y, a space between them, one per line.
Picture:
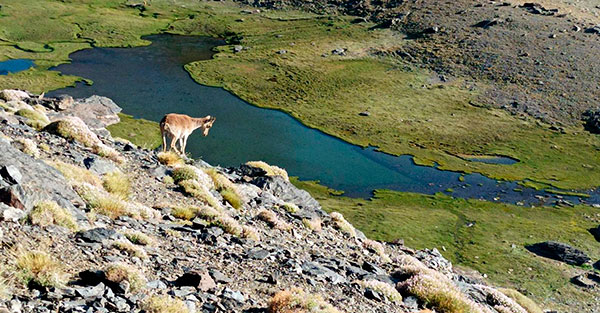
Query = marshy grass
x=342 y=225
x=139 y=238
x=273 y=220
x=313 y=224
x=47 y=213
x=163 y=304
x=119 y=272
x=296 y=300
x=28 y=146
x=382 y=288
x=141 y=132
x=39 y=267
x=271 y=170
x=117 y=183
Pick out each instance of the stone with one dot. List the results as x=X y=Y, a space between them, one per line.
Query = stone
x=588 y=280
x=372 y=295
x=434 y=259
x=233 y=295
x=96 y=112
x=560 y=252
x=319 y=271
x=364 y=113
x=99 y=165
x=11 y=214
x=258 y=254
x=11 y=174
x=595 y=231
x=13 y=95
x=591 y=118
x=238 y=48
x=199 y=279
x=156 y=284
x=487 y=23
x=98 y=235
x=16 y=197
x=286 y=191
x=91 y=292
x=220 y=277
x=182 y=292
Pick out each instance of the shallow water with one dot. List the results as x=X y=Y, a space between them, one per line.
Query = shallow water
x=15 y=65
x=148 y=82
x=494 y=160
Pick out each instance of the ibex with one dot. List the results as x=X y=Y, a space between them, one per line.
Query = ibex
x=179 y=127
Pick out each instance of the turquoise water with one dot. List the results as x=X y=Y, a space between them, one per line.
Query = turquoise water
x=15 y=65
x=148 y=82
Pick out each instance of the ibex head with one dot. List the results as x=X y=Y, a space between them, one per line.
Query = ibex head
x=209 y=121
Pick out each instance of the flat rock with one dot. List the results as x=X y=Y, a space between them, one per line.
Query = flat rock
x=99 y=165
x=97 y=235
x=560 y=252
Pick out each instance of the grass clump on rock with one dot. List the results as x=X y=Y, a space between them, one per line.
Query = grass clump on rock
x=163 y=304
x=39 y=268
x=75 y=174
x=35 y=119
x=117 y=183
x=376 y=247
x=313 y=224
x=233 y=198
x=186 y=172
x=139 y=238
x=170 y=158
x=385 y=289
x=296 y=300
x=130 y=249
x=226 y=188
x=272 y=220
x=50 y=213
x=194 y=189
x=28 y=146
x=342 y=225
x=185 y=213
x=271 y=170
x=119 y=272
x=522 y=300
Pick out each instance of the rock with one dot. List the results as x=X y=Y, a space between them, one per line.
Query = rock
x=587 y=280
x=98 y=235
x=13 y=95
x=64 y=102
x=15 y=196
x=11 y=214
x=220 y=277
x=286 y=191
x=431 y=30
x=283 y=51
x=238 y=48
x=258 y=254
x=591 y=119
x=372 y=295
x=595 y=232
x=91 y=292
x=11 y=174
x=559 y=251
x=411 y=302
x=99 y=165
x=233 y=295
x=487 y=23
x=593 y=30
x=536 y=8
x=372 y=268
x=364 y=113
x=156 y=284
x=434 y=259
x=339 y=51
x=96 y=112
x=90 y=278
x=198 y=279
x=319 y=271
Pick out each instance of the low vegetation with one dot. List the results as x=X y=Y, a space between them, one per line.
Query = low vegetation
x=163 y=304
x=313 y=224
x=273 y=220
x=117 y=183
x=226 y=188
x=107 y=204
x=382 y=288
x=342 y=225
x=170 y=158
x=28 y=146
x=250 y=232
x=290 y=207
x=119 y=272
x=39 y=268
x=35 y=119
x=200 y=192
x=223 y=220
x=5 y=288
x=522 y=300
x=50 y=213
x=296 y=300
x=143 y=133
x=378 y=248
x=271 y=170
x=186 y=172
x=139 y=238
x=185 y=213
x=129 y=248
x=75 y=174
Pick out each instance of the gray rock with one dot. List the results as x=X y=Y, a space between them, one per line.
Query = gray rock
x=91 y=292
x=238 y=48
x=434 y=259
x=591 y=118
x=13 y=95
x=96 y=112
x=233 y=295
x=183 y=291
x=372 y=295
x=98 y=235
x=282 y=51
x=16 y=197
x=220 y=277
x=258 y=254
x=156 y=284
x=286 y=191
x=11 y=174
x=197 y=279
x=99 y=165
x=593 y=30
x=559 y=251
x=319 y=271
x=588 y=280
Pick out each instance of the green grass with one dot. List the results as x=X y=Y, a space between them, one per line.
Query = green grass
x=141 y=132
x=438 y=221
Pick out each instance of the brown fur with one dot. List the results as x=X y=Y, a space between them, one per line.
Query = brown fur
x=179 y=127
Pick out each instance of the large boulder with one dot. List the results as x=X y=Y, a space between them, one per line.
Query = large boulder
x=96 y=112
x=286 y=191
x=595 y=232
x=560 y=252
x=591 y=118
x=13 y=95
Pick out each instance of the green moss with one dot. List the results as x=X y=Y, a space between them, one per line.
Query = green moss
x=141 y=132
x=495 y=245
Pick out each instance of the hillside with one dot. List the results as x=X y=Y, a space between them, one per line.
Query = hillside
x=90 y=223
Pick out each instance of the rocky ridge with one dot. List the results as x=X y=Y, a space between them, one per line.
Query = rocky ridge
x=90 y=223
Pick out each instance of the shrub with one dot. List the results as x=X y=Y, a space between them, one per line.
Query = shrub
x=168 y=180
x=75 y=174
x=163 y=304
x=117 y=183
x=186 y=172
x=313 y=224
x=35 y=119
x=139 y=238
x=272 y=220
x=290 y=207
x=29 y=147
x=130 y=249
x=271 y=170
x=49 y=212
x=232 y=197
x=378 y=248
x=385 y=289
x=119 y=272
x=250 y=233
x=40 y=268
x=185 y=213
x=194 y=189
x=170 y=158
x=522 y=300
x=297 y=300
x=342 y=225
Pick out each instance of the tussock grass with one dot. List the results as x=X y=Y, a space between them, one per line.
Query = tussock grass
x=130 y=249
x=385 y=289
x=170 y=159
x=200 y=192
x=5 y=286
x=313 y=224
x=378 y=248
x=271 y=170
x=118 y=272
x=186 y=172
x=273 y=220
x=28 y=146
x=117 y=183
x=501 y=302
x=250 y=232
x=35 y=119
x=221 y=219
x=226 y=188
x=290 y=207
x=297 y=300
x=46 y=213
x=139 y=238
x=185 y=213
x=107 y=204
x=163 y=304
x=173 y=233
x=168 y=180
x=342 y=225
x=529 y=305
x=39 y=267
x=76 y=174
x=233 y=198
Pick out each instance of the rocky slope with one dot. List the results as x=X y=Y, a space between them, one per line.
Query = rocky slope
x=524 y=57
x=89 y=223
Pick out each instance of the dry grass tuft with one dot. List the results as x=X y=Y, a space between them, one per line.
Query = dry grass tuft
x=130 y=249
x=117 y=183
x=107 y=204
x=5 y=288
x=163 y=304
x=28 y=146
x=170 y=159
x=250 y=232
x=378 y=248
x=271 y=170
x=39 y=267
x=313 y=224
x=297 y=300
x=227 y=188
x=50 y=213
x=233 y=198
x=35 y=119
x=221 y=219
x=272 y=220
x=385 y=289
x=522 y=300
x=119 y=272
x=186 y=172
x=290 y=207
x=194 y=189
x=173 y=233
x=75 y=174
x=139 y=238
x=342 y=225
x=185 y=213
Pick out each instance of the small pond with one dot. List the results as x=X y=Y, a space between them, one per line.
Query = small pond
x=15 y=65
